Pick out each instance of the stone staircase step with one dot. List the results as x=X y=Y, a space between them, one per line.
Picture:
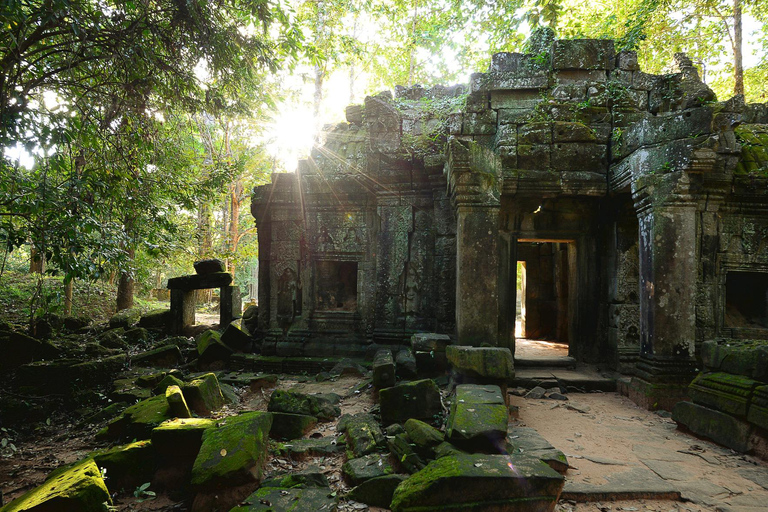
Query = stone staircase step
x=545 y=361
x=574 y=380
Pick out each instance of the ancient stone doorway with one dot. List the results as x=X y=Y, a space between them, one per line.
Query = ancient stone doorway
x=746 y=299
x=544 y=282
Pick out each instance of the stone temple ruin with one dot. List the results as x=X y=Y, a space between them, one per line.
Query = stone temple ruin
x=637 y=203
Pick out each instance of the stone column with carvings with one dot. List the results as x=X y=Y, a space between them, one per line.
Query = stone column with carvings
x=474 y=181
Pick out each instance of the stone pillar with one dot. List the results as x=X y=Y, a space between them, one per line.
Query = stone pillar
x=230 y=305
x=668 y=284
x=477 y=264
x=474 y=182
x=182 y=309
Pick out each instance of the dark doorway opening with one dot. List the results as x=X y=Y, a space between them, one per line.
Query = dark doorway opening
x=746 y=299
x=544 y=290
x=336 y=286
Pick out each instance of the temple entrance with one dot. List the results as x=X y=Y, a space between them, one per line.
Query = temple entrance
x=543 y=297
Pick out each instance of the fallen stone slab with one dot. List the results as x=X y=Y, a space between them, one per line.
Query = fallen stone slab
x=125 y=318
x=312 y=476
x=376 y=492
x=404 y=453
x=277 y=499
x=291 y=426
x=18 y=349
x=138 y=420
x=527 y=441
x=313 y=447
x=478 y=419
x=162 y=357
x=482 y=362
x=715 y=425
x=418 y=399
x=79 y=488
x=126 y=466
x=363 y=434
x=633 y=484
x=477 y=482
x=425 y=437
x=203 y=395
x=669 y=471
x=383 y=369
x=364 y=468
x=405 y=364
x=429 y=342
x=233 y=453
x=212 y=349
x=299 y=403
x=177 y=403
x=177 y=443
x=723 y=392
x=165 y=382
x=157 y=319
x=236 y=335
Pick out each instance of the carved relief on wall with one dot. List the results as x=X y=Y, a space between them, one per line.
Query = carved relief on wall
x=628 y=275
x=288 y=297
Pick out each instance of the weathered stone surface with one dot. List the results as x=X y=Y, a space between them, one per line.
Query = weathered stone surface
x=419 y=399
x=364 y=468
x=138 y=420
x=208 y=266
x=525 y=440
x=480 y=482
x=723 y=391
x=300 y=403
x=18 y=349
x=203 y=395
x=113 y=339
x=478 y=418
x=211 y=348
x=155 y=319
x=363 y=434
x=126 y=318
x=376 y=492
x=429 y=342
x=312 y=476
x=405 y=364
x=233 y=453
x=236 y=335
x=291 y=426
x=176 y=402
x=758 y=408
x=162 y=357
x=200 y=282
x=126 y=466
x=715 y=425
x=424 y=436
x=404 y=452
x=162 y=385
x=583 y=54
x=315 y=447
x=277 y=499
x=79 y=488
x=383 y=369
x=180 y=437
x=485 y=362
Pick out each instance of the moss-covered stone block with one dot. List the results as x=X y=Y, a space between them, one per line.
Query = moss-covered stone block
x=482 y=362
x=404 y=452
x=138 y=420
x=291 y=426
x=168 y=380
x=715 y=425
x=179 y=436
x=364 y=468
x=233 y=453
x=418 y=399
x=236 y=335
x=210 y=348
x=424 y=436
x=274 y=499
x=723 y=391
x=583 y=54
x=126 y=466
x=383 y=369
x=203 y=395
x=161 y=357
x=125 y=318
x=376 y=492
x=363 y=434
x=478 y=418
x=177 y=403
x=313 y=447
x=476 y=482
x=300 y=403
x=158 y=319
x=79 y=488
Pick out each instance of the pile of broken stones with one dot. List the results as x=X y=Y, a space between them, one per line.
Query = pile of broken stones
x=425 y=442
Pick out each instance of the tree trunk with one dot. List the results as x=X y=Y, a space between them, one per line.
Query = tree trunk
x=125 y=286
x=36 y=261
x=234 y=223
x=412 y=56
x=68 y=287
x=738 y=64
x=319 y=69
